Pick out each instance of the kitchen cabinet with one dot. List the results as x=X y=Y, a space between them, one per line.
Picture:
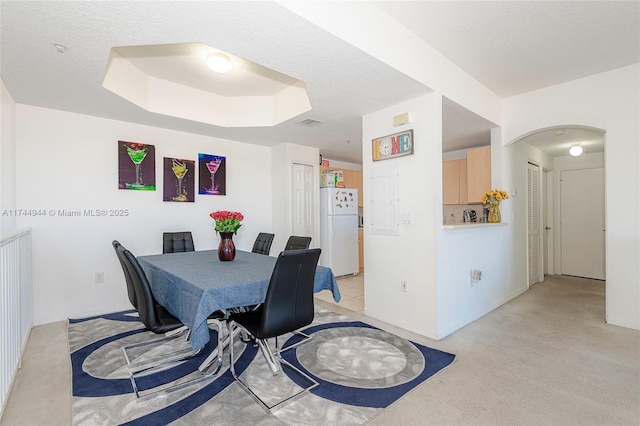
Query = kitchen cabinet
x=478 y=173
x=351 y=178
x=454 y=182
x=361 y=248
x=356 y=180
x=465 y=181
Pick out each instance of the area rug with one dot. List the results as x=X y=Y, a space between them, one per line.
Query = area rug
x=361 y=370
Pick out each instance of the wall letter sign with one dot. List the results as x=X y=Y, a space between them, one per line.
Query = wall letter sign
x=396 y=145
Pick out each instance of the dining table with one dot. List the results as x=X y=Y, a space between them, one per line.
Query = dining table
x=192 y=285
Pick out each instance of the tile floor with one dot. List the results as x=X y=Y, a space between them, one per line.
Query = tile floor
x=352 y=292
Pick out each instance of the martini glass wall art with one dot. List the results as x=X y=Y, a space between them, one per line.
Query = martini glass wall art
x=212 y=174
x=178 y=180
x=136 y=166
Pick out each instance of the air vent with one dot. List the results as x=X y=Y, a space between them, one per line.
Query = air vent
x=309 y=122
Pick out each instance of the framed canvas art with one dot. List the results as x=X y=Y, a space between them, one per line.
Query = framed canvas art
x=136 y=166
x=179 y=180
x=212 y=170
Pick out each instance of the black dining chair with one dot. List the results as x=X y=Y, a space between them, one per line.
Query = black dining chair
x=288 y=306
x=177 y=242
x=262 y=244
x=160 y=321
x=153 y=315
x=298 y=243
x=131 y=291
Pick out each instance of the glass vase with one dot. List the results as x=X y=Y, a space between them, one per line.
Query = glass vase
x=494 y=213
x=226 y=248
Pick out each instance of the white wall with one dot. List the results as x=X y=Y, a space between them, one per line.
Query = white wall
x=411 y=256
x=488 y=249
x=608 y=101
x=69 y=161
x=435 y=262
x=7 y=161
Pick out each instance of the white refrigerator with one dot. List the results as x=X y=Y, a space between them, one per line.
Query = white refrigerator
x=339 y=230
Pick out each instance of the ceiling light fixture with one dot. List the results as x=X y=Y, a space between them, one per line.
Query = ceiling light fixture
x=559 y=132
x=219 y=62
x=575 y=150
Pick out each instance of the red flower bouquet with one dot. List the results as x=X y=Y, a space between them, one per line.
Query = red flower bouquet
x=227 y=221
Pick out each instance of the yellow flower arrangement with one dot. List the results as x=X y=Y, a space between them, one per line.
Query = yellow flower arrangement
x=494 y=196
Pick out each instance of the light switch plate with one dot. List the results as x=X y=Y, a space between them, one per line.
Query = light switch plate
x=406 y=218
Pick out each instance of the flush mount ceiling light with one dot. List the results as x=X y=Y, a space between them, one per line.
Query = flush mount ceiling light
x=559 y=132
x=575 y=150
x=219 y=62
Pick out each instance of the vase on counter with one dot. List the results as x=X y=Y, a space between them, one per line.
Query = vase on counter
x=226 y=248
x=494 y=212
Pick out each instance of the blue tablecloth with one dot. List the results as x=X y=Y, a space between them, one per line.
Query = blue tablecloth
x=192 y=285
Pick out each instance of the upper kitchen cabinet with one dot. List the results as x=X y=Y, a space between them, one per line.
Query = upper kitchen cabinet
x=454 y=182
x=353 y=179
x=478 y=173
x=465 y=181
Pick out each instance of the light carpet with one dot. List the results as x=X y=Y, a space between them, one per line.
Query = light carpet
x=361 y=370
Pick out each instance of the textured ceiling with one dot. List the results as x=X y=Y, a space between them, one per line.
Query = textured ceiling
x=511 y=47
x=514 y=47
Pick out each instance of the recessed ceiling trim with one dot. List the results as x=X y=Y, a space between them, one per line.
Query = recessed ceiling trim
x=145 y=85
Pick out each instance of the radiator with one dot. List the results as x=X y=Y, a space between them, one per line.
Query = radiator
x=16 y=307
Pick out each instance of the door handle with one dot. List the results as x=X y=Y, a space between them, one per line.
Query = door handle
x=547 y=228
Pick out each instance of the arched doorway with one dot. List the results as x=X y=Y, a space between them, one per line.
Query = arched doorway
x=564 y=206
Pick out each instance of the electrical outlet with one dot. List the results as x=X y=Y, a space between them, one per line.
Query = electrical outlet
x=99 y=277
x=475 y=275
x=404 y=287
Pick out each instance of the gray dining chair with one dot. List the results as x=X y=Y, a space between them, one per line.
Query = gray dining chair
x=288 y=306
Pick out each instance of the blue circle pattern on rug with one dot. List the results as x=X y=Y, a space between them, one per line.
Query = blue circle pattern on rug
x=434 y=361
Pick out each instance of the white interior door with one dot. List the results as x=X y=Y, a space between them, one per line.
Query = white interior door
x=582 y=223
x=302 y=201
x=533 y=223
x=547 y=220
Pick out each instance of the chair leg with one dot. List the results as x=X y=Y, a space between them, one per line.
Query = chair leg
x=147 y=363
x=272 y=361
x=278 y=361
x=203 y=370
x=217 y=353
x=178 y=330
x=305 y=338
